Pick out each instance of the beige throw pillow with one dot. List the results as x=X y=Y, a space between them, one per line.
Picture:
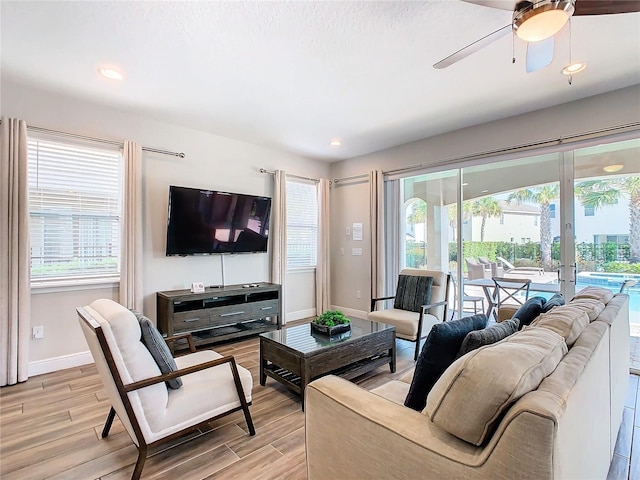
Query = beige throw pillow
x=567 y=321
x=469 y=398
x=591 y=306
x=599 y=293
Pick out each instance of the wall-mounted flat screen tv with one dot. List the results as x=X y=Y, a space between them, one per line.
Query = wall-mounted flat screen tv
x=203 y=222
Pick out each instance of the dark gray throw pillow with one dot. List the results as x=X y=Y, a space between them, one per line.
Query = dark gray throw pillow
x=413 y=291
x=528 y=312
x=556 y=301
x=439 y=351
x=152 y=339
x=487 y=336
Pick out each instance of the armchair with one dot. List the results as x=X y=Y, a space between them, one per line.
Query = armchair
x=476 y=270
x=419 y=304
x=212 y=385
x=496 y=270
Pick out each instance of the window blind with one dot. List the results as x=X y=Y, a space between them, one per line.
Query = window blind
x=302 y=224
x=74 y=211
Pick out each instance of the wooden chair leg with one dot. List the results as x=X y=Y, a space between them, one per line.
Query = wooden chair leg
x=108 y=423
x=142 y=457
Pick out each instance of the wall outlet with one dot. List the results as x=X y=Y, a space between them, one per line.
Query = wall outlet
x=38 y=332
x=358 y=294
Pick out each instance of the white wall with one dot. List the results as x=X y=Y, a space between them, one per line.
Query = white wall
x=620 y=107
x=211 y=162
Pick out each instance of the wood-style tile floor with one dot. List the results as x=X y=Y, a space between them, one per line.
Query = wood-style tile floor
x=50 y=429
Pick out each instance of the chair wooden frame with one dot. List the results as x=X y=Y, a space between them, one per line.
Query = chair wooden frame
x=123 y=390
x=465 y=298
x=423 y=309
x=510 y=287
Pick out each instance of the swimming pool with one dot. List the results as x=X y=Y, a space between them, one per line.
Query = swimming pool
x=613 y=281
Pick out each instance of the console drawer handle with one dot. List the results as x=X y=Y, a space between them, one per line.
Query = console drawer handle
x=231 y=314
x=191 y=319
x=266 y=308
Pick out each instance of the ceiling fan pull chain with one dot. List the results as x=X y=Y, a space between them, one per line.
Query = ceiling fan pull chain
x=513 y=48
x=570 y=79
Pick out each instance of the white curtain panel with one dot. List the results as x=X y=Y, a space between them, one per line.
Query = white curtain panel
x=278 y=234
x=392 y=218
x=376 y=220
x=15 y=291
x=324 y=257
x=131 y=231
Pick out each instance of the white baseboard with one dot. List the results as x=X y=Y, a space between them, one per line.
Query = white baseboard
x=300 y=314
x=59 y=363
x=351 y=312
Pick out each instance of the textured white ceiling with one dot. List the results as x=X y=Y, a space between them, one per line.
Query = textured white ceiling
x=294 y=75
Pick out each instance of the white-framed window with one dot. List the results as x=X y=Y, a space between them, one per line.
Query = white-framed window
x=74 y=212
x=302 y=224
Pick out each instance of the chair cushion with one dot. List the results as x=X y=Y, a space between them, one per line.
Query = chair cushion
x=470 y=397
x=439 y=351
x=159 y=350
x=487 y=336
x=567 y=321
x=556 y=301
x=412 y=292
x=528 y=312
x=406 y=322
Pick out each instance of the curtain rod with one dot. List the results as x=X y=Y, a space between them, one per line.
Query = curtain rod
x=522 y=148
x=272 y=172
x=353 y=177
x=100 y=140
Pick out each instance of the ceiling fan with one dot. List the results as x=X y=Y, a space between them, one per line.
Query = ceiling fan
x=536 y=22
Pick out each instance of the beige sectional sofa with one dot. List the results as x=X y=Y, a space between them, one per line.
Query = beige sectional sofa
x=545 y=403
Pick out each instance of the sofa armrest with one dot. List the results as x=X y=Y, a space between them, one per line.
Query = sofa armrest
x=352 y=433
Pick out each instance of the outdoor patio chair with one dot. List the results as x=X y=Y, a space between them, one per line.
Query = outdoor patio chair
x=476 y=270
x=509 y=291
x=496 y=270
x=419 y=303
x=152 y=410
x=510 y=268
x=465 y=299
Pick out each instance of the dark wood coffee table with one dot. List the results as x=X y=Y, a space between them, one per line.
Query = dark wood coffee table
x=295 y=356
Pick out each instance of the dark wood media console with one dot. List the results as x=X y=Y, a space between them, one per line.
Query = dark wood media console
x=220 y=314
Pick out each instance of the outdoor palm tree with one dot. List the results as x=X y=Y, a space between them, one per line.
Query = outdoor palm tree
x=485 y=207
x=452 y=212
x=543 y=196
x=599 y=193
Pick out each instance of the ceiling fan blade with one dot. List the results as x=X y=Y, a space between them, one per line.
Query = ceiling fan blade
x=473 y=47
x=501 y=4
x=606 y=7
x=539 y=54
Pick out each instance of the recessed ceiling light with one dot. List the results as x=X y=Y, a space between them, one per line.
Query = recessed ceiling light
x=616 y=167
x=335 y=143
x=574 y=68
x=110 y=73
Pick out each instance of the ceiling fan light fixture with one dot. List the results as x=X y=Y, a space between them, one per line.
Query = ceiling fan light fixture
x=542 y=19
x=574 y=68
x=613 y=168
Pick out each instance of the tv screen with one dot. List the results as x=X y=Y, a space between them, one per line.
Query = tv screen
x=205 y=222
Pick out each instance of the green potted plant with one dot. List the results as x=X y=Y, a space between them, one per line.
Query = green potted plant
x=331 y=322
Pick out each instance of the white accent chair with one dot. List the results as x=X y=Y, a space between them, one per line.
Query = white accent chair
x=151 y=413
x=412 y=325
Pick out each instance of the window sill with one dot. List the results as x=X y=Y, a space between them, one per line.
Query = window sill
x=54 y=286
x=301 y=270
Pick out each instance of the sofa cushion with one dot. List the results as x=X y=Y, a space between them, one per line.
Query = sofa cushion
x=528 y=312
x=591 y=306
x=556 y=301
x=599 y=293
x=488 y=336
x=487 y=381
x=159 y=350
x=439 y=350
x=413 y=291
x=567 y=321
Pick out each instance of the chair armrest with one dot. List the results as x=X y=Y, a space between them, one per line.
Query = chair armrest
x=180 y=372
x=179 y=336
x=374 y=300
x=430 y=305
